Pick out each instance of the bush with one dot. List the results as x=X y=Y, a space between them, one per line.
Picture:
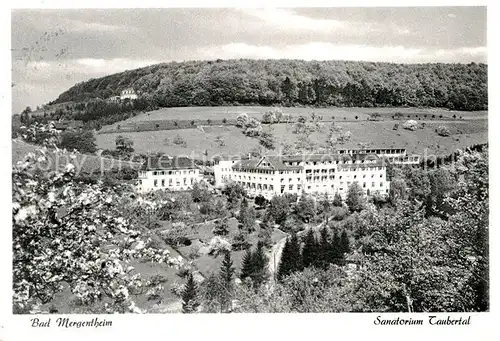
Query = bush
x=410 y=125
x=194 y=252
x=179 y=141
x=218 y=245
x=443 y=131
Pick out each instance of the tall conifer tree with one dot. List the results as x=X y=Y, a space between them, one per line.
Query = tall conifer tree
x=310 y=251
x=336 y=253
x=190 y=301
x=226 y=274
x=344 y=243
x=259 y=262
x=246 y=265
x=291 y=258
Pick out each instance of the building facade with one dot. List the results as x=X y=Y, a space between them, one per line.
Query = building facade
x=318 y=175
x=390 y=155
x=128 y=93
x=168 y=173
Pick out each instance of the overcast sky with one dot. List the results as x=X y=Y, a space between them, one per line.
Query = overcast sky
x=54 y=49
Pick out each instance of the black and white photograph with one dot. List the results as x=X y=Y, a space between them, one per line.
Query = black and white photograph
x=249 y=160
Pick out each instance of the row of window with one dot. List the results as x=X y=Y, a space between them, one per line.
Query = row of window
x=309 y=178
x=184 y=172
x=178 y=182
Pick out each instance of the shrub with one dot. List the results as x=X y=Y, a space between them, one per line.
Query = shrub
x=183 y=272
x=410 y=125
x=218 y=245
x=443 y=131
x=179 y=141
x=194 y=252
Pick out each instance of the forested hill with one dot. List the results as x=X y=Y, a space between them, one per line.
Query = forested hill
x=296 y=82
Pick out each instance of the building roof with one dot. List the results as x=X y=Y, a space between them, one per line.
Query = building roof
x=165 y=162
x=291 y=162
x=128 y=89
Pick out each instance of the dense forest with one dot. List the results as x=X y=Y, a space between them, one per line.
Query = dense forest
x=296 y=83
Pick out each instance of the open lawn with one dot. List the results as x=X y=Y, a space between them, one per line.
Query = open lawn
x=375 y=133
x=218 y=113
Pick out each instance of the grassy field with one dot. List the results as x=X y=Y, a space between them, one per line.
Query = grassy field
x=375 y=133
x=188 y=113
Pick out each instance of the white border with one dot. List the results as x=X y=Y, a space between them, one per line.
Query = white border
x=240 y=326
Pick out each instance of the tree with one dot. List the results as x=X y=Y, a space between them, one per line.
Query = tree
x=355 y=200
x=291 y=258
x=310 y=251
x=247 y=217
x=246 y=265
x=337 y=200
x=220 y=141
x=443 y=131
x=214 y=294
x=221 y=227
x=234 y=192
x=325 y=249
x=344 y=246
x=259 y=266
x=305 y=209
x=124 y=144
x=267 y=139
x=71 y=249
x=190 y=301
x=83 y=141
x=253 y=128
x=278 y=209
x=335 y=254
x=260 y=200
x=200 y=192
x=242 y=120
x=226 y=274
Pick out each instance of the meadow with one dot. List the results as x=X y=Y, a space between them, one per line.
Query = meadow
x=329 y=114
x=373 y=133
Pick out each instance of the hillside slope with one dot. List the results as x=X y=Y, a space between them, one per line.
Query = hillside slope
x=296 y=82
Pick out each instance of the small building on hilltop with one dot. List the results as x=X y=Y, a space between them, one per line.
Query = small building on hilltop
x=128 y=93
x=168 y=173
x=114 y=99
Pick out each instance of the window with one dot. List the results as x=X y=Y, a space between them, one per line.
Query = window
x=156 y=183
x=289 y=179
x=364 y=184
x=381 y=184
x=380 y=175
x=290 y=188
x=373 y=184
x=355 y=176
x=162 y=182
x=155 y=173
x=170 y=182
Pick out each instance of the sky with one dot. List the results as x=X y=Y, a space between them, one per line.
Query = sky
x=53 y=50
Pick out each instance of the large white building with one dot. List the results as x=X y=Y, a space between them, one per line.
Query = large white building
x=168 y=173
x=317 y=174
